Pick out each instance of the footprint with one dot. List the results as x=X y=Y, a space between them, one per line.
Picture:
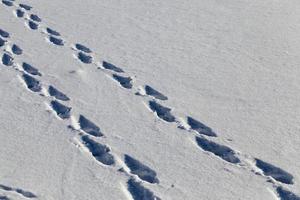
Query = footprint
x=61 y=110
x=275 y=172
x=56 y=41
x=4 y=34
x=99 y=151
x=83 y=48
x=286 y=195
x=32 y=25
x=139 y=192
x=57 y=94
x=2 y=42
x=52 y=32
x=200 y=127
x=141 y=170
x=36 y=18
x=221 y=151
x=20 y=13
x=124 y=81
x=112 y=67
x=89 y=127
x=32 y=83
x=4 y=197
x=85 y=58
x=26 y=194
x=152 y=92
x=16 y=49
x=7 y=60
x=6 y=188
x=7 y=3
x=30 y=69
x=162 y=112
x=26 y=7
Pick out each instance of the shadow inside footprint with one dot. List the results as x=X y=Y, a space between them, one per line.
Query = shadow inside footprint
x=7 y=2
x=26 y=194
x=200 y=127
x=57 y=94
x=16 y=49
x=32 y=25
x=99 y=151
x=2 y=42
x=142 y=171
x=32 y=83
x=89 y=127
x=139 y=192
x=162 y=112
x=4 y=34
x=30 y=69
x=56 y=41
x=112 y=67
x=61 y=110
x=286 y=195
x=125 y=82
x=35 y=18
x=26 y=7
x=52 y=32
x=83 y=48
x=7 y=60
x=154 y=93
x=20 y=13
x=219 y=150
x=275 y=172
x=86 y=59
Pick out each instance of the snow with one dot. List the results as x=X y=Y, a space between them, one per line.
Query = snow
x=232 y=66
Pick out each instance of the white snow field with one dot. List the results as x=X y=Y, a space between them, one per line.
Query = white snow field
x=145 y=100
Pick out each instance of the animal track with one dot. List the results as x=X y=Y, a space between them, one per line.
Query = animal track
x=112 y=67
x=32 y=83
x=2 y=42
x=30 y=69
x=275 y=172
x=35 y=18
x=4 y=34
x=32 y=25
x=7 y=60
x=125 y=82
x=86 y=59
x=20 y=13
x=82 y=48
x=26 y=7
x=61 y=110
x=4 y=197
x=52 y=32
x=221 y=151
x=285 y=194
x=22 y=192
x=162 y=112
x=154 y=93
x=89 y=127
x=16 y=49
x=57 y=94
x=200 y=127
x=99 y=151
x=141 y=170
x=56 y=41
x=7 y=3
x=139 y=192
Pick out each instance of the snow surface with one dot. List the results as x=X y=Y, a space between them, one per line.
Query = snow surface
x=223 y=79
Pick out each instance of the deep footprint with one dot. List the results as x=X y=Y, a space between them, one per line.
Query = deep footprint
x=52 y=32
x=156 y=94
x=35 y=18
x=89 y=127
x=32 y=25
x=57 y=94
x=141 y=170
x=4 y=34
x=139 y=192
x=56 y=41
x=124 y=81
x=286 y=195
x=83 y=48
x=26 y=7
x=16 y=49
x=200 y=127
x=86 y=59
x=221 y=151
x=4 y=197
x=26 y=194
x=99 y=151
x=7 y=3
x=162 y=112
x=112 y=67
x=61 y=110
x=275 y=172
x=30 y=69
x=7 y=60
x=20 y=13
x=2 y=42
x=32 y=83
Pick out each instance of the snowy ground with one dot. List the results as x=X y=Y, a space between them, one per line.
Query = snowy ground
x=163 y=100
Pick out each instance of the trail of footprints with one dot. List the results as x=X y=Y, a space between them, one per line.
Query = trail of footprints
x=19 y=191
x=102 y=153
